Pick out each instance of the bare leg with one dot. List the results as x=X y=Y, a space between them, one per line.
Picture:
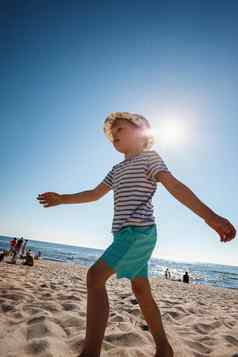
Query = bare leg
x=150 y=310
x=97 y=308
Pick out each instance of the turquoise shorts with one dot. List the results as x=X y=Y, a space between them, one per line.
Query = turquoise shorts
x=130 y=251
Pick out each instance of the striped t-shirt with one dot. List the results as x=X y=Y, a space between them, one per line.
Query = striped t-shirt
x=133 y=183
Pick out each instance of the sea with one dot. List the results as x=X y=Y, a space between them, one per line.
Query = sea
x=200 y=273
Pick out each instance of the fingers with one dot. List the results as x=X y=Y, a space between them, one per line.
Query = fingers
x=42 y=198
x=46 y=199
x=43 y=201
x=228 y=233
x=46 y=204
x=44 y=195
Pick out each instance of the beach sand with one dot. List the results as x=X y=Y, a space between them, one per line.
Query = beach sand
x=43 y=313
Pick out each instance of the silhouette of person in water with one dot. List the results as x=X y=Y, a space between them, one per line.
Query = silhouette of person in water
x=167 y=274
x=186 y=278
x=37 y=256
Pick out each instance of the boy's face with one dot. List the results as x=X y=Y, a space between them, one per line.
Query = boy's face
x=126 y=136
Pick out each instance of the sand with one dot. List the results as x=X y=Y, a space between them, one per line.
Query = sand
x=43 y=313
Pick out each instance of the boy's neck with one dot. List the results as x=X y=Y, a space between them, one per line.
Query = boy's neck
x=131 y=154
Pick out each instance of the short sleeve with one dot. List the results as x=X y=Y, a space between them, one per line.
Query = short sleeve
x=155 y=165
x=108 y=180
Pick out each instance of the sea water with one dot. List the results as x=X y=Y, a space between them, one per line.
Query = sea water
x=200 y=273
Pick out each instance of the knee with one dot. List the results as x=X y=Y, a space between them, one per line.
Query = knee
x=93 y=279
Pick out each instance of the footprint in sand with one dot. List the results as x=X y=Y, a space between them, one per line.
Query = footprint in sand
x=16 y=297
x=123 y=352
x=208 y=340
x=32 y=310
x=129 y=339
x=201 y=348
x=230 y=324
x=37 y=346
x=69 y=306
x=171 y=318
x=174 y=314
x=197 y=354
x=72 y=321
x=42 y=327
x=204 y=329
x=232 y=340
x=6 y=307
x=50 y=306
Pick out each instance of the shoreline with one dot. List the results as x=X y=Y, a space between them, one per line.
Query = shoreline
x=150 y=276
x=43 y=313
x=207 y=274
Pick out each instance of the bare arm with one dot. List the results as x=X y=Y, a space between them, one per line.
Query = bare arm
x=49 y=199
x=183 y=194
x=86 y=196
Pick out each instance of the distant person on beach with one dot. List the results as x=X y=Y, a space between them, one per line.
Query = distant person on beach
x=24 y=247
x=167 y=274
x=134 y=182
x=29 y=259
x=37 y=256
x=17 y=249
x=2 y=255
x=186 y=278
x=13 y=243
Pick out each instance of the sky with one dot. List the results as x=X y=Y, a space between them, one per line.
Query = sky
x=65 y=65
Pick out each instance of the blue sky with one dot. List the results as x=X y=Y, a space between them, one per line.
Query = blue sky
x=66 y=65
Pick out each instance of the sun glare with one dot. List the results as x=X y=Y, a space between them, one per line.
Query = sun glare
x=171 y=132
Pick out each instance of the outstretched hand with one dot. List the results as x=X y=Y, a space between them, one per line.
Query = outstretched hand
x=49 y=199
x=223 y=227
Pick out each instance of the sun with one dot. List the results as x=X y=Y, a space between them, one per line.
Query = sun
x=171 y=132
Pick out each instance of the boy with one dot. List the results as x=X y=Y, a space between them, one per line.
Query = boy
x=134 y=182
